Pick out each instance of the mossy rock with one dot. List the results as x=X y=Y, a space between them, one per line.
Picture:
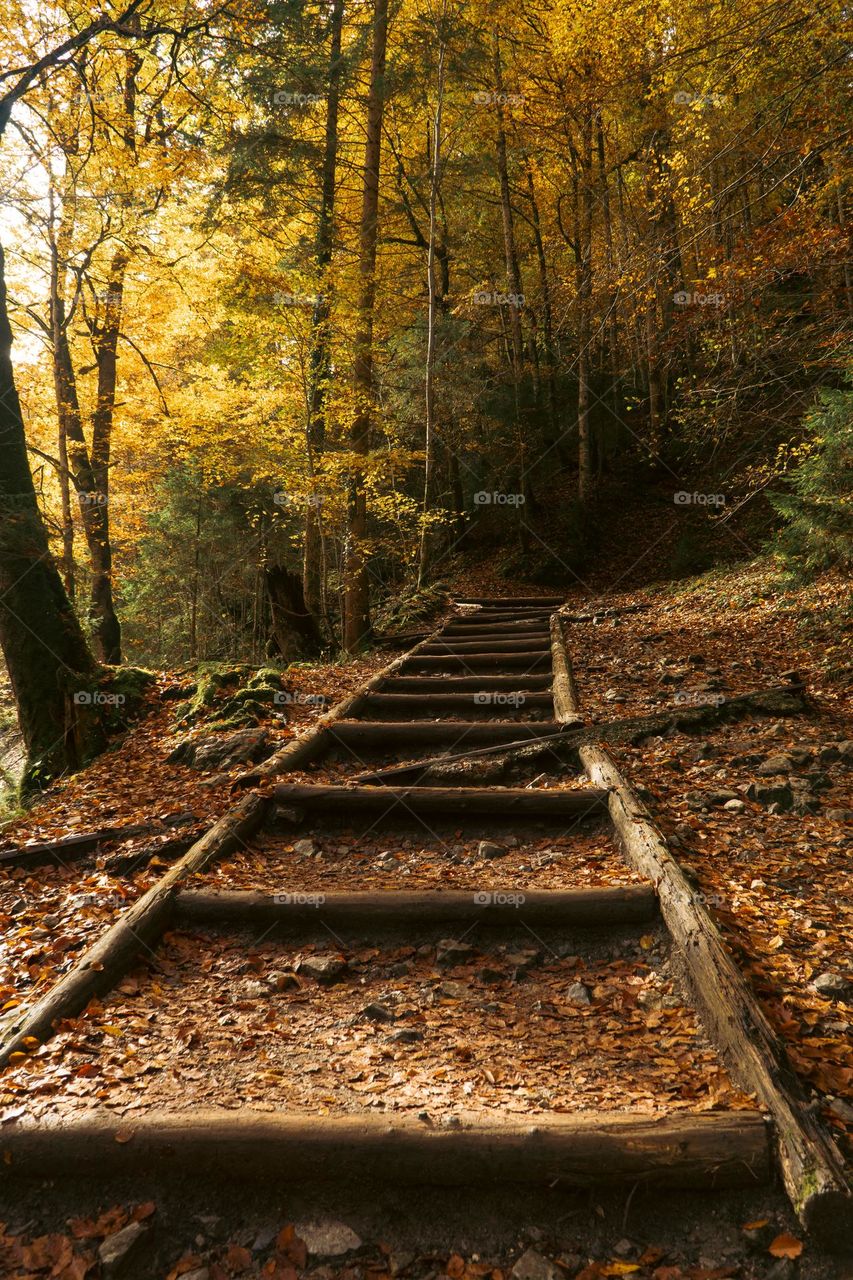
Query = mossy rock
x=234 y=696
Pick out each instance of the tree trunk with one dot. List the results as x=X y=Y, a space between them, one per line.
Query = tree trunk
x=432 y=316
x=356 y=612
x=313 y=559
x=43 y=645
x=583 y=202
x=295 y=633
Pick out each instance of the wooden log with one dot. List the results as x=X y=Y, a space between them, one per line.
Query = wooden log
x=135 y=931
x=564 y=689
x=490 y=619
x=479 y=661
x=394 y=735
x=448 y=645
x=812 y=1167
x=70 y=848
x=505 y=631
x=488 y=702
x=578 y=908
x=423 y=765
x=445 y=802
x=465 y=684
x=710 y=1149
x=311 y=744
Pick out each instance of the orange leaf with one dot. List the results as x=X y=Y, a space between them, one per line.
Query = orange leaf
x=238 y=1259
x=786 y=1246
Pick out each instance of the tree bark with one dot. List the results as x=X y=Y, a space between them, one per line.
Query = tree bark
x=356 y=611
x=313 y=556
x=43 y=645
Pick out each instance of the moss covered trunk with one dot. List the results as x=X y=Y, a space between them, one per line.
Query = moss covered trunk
x=51 y=669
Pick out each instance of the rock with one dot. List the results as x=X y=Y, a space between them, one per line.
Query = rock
x=735 y=806
x=116 y=1252
x=768 y=794
x=840 y=815
x=406 y=1035
x=523 y=959
x=201 y=1273
x=256 y=990
x=535 y=1266
x=215 y=752
x=399 y=1261
x=377 y=1013
x=613 y=695
x=328 y=1239
x=623 y=1248
x=578 y=994
x=450 y=952
x=831 y=985
x=721 y=796
x=487 y=849
x=305 y=848
x=325 y=967
x=845 y=751
x=828 y=754
x=490 y=975
x=775 y=764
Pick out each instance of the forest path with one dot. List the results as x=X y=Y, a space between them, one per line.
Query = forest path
x=434 y=984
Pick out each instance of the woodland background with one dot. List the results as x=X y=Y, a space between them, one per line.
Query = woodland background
x=312 y=301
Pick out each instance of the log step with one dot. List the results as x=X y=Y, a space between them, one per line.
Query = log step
x=490 y=617
x=391 y=735
x=525 y=644
x=532 y=631
x=577 y=908
x=711 y=1149
x=464 y=684
x=484 y=701
x=445 y=802
x=472 y=661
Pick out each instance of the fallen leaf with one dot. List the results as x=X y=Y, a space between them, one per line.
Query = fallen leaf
x=786 y=1246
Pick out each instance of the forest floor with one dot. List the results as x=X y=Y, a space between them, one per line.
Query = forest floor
x=758 y=811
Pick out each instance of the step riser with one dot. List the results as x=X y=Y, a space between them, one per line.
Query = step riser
x=485 y=647
x=477 y=661
x=390 y=736
x=698 y=1151
x=446 y=802
x=465 y=684
x=581 y=909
